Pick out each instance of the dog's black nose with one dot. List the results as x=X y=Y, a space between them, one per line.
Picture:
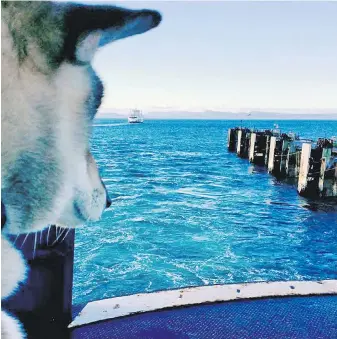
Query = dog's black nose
x=108 y=201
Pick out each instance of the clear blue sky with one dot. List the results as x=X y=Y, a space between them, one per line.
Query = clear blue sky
x=235 y=56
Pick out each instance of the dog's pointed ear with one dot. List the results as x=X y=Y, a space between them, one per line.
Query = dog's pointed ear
x=89 y=27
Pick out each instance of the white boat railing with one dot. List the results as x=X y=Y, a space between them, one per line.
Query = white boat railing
x=144 y=302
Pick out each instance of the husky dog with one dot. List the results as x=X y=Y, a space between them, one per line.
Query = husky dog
x=50 y=94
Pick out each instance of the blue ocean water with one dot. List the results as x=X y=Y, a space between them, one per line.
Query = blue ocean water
x=187 y=212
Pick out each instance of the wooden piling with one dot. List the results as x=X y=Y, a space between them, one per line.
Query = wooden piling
x=229 y=134
x=321 y=176
x=323 y=185
x=272 y=146
x=231 y=139
x=260 y=148
x=266 y=157
x=238 y=142
x=292 y=161
x=304 y=168
x=284 y=156
x=245 y=143
x=252 y=147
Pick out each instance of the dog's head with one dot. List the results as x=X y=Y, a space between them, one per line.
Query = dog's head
x=50 y=95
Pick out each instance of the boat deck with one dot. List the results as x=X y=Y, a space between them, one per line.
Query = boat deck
x=309 y=317
x=285 y=309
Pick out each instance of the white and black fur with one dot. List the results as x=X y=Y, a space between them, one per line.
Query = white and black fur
x=50 y=94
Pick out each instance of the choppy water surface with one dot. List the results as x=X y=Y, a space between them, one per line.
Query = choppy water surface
x=187 y=212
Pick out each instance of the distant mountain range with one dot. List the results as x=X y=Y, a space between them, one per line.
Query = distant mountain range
x=217 y=115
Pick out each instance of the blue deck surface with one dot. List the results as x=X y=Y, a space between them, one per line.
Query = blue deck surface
x=291 y=317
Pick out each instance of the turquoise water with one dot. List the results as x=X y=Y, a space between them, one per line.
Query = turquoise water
x=187 y=212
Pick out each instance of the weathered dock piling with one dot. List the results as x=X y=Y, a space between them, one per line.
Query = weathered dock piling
x=243 y=140
x=313 y=165
x=318 y=173
x=252 y=147
x=238 y=142
x=292 y=166
x=231 y=139
x=279 y=154
x=271 y=156
x=304 y=168
x=259 y=146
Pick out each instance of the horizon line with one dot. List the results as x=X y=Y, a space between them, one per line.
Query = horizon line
x=217 y=119
x=323 y=111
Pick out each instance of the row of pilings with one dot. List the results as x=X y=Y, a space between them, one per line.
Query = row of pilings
x=312 y=165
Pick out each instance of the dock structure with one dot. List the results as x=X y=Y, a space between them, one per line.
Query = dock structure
x=243 y=140
x=311 y=164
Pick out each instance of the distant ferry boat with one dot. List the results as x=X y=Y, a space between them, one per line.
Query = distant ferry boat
x=136 y=117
